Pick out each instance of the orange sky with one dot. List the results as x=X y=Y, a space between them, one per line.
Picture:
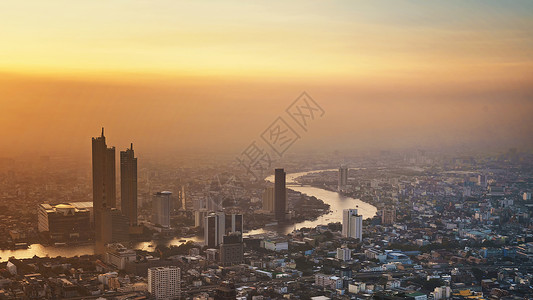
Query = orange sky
x=178 y=76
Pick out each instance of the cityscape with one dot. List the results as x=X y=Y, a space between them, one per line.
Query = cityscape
x=266 y=150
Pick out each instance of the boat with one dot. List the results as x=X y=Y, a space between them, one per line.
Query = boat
x=182 y=241
x=21 y=246
x=60 y=244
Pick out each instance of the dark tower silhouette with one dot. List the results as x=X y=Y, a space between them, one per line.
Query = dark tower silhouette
x=280 y=195
x=104 y=189
x=128 y=185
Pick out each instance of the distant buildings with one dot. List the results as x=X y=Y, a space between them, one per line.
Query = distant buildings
x=65 y=221
x=128 y=185
x=161 y=208
x=164 y=282
x=280 y=195
x=343 y=178
x=352 y=224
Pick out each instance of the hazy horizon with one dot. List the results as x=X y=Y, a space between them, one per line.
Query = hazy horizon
x=416 y=75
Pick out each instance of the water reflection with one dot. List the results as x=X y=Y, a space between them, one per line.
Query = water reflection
x=336 y=201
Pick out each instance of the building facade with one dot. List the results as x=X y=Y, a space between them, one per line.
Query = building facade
x=164 y=282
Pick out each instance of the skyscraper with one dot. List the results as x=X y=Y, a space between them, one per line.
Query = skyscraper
x=128 y=185
x=104 y=189
x=218 y=224
x=214 y=229
x=161 y=208
x=352 y=224
x=164 y=282
x=280 y=195
x=343 y=178
x=104 y=179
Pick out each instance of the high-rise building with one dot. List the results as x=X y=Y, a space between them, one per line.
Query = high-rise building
x=128 y=185
x=280 y=195
x=232 y=249
x=104 y=189
x=214 y=229
x=388 y=216
x=218 y=224
x=233 y=223
x=344 y=254
x=164 y=282
x=268 y=199
x=352 y=224
x=343 y=178
x=161 y=208
x=104 y=177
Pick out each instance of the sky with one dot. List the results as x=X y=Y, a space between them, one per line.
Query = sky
x=174 y=76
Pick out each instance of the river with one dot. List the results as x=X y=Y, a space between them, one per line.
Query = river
x=336 y=201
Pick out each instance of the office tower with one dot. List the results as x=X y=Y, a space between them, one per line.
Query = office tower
x=344 y=254
x=352 y=224
x=388 y=216
x=65 y=221
x=104 y=189
x=268 y=199
x=128 y=185
x=233 y=223
x=161 y=208
x=280 y=195
x=214 y=229
x=164 y=282
x=232 y=249
x=343 y=178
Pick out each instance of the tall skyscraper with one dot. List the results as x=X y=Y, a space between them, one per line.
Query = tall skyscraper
x=161 y=208
x=104 y=189
x=214 y=229
x=343 y=178
x=280 y=195
x=164 y=282
x=128 y=185
x=104 y=177
x=352 y=224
